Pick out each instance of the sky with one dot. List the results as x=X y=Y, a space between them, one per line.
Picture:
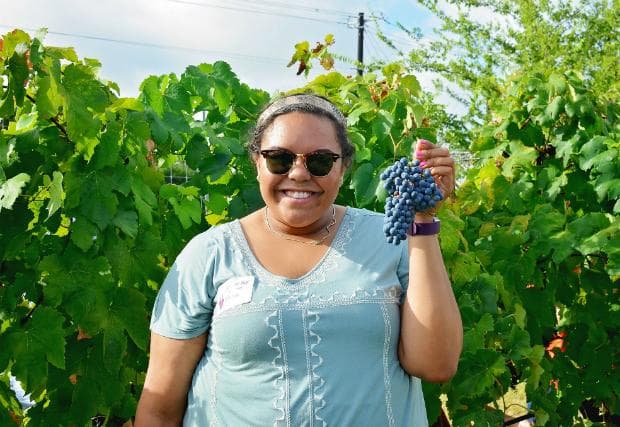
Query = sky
x=139 y=38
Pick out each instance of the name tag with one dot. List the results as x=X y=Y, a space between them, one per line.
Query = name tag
x=233 y=293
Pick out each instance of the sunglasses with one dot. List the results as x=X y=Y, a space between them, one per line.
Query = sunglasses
x=280 y=161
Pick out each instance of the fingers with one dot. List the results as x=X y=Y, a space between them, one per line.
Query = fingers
x=440 y=163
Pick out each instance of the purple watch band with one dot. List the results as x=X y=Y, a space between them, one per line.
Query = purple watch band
x=424 y=228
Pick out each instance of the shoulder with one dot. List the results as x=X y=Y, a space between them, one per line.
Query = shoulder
x=367 y=226
x=365 y=217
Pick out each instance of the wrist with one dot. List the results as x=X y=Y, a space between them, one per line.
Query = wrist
x=424 y=217
x=429 y=215
x=424 y=227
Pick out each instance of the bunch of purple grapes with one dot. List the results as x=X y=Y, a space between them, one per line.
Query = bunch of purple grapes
x=411 y=189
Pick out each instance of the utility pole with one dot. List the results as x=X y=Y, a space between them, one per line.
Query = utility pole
x=360 y=44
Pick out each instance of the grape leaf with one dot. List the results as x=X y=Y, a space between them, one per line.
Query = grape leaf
x=56 y=193
x=24 y=124
x=49 y=99
x=478 y=373
x=11 y=189
x=473 y=339
x=114 y=345
x=40 y=341
x=599 y=242
x=411 y=83
x=98 y=202
x=83 y=96
x=46 y=332
x=128 y=222
x=364 y=182
x=197 y=151
x=464 y=269
x=129 y=308
x=83 y=233
x=108 y=149
x=152 y=95
x=125 y=104
x=176 y=97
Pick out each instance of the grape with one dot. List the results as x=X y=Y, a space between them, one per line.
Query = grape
x=411 y=189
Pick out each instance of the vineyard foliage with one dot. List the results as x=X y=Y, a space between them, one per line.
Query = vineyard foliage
x=89 y=225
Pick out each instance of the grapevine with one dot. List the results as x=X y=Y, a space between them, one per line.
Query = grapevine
x=410 y=189
x=90 y=221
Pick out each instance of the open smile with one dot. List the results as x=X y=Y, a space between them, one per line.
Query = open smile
x=298 y=194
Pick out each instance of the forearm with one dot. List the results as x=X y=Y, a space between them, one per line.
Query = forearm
x=152 y=419
x=171 y=366
x=431 y=330
x=158 y=411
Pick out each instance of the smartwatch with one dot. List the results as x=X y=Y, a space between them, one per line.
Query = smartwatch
x=424 y=228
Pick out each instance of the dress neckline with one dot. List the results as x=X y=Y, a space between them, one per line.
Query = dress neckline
x=335 y=247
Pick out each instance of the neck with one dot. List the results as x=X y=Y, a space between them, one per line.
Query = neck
x=322 y=228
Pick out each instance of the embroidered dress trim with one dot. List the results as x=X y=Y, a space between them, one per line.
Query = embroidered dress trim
x=386 y=365
x=304 y=317
x=213 y=397
x=390 y=295
x=318 y=382
x=280 y=363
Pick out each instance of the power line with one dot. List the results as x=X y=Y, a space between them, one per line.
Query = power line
x=160 y=46
x=398 y=26
x=407 y=43
x=302 y=7
x=258 y=11
x=375 y=44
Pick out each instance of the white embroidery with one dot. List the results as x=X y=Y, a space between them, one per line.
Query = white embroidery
x=386 y=366
x=390 y=295
x=317 y=381
x=304 y=318
x=279 y=363
x=287 y=385
x=218 y=363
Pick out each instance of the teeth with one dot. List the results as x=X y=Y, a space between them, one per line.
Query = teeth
x=298 y=194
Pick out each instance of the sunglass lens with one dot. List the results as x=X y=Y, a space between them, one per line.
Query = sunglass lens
x=319 y=164
x=279 y=162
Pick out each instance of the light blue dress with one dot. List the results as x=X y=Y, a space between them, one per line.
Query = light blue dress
x=313 y=351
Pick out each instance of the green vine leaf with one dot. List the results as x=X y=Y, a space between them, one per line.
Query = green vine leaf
x=11 y=189
x=55 y=191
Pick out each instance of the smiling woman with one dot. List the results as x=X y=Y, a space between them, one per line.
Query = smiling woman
x=301 y=313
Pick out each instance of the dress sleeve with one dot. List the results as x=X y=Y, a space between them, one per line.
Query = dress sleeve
x=184 y=305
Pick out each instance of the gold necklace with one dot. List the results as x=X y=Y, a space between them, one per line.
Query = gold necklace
x=307 y=242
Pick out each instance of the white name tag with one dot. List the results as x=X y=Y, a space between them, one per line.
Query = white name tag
x=233 y=293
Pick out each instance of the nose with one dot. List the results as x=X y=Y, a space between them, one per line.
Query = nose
x=298 y=169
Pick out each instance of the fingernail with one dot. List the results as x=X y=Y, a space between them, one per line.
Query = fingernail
x=419 y=155
x=422 y=164
x=424 y=142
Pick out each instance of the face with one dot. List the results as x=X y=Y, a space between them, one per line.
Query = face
x=297 y=199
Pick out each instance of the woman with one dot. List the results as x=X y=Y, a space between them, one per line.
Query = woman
x=300 y=314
